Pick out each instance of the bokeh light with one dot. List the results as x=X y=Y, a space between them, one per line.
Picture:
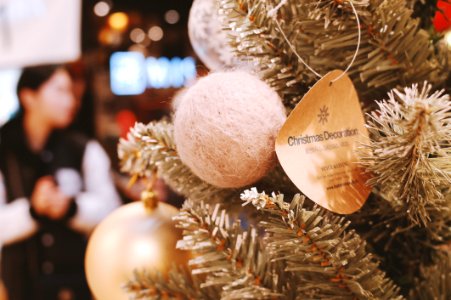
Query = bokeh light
x=118 y=21
x=137 y=35
x=101 y=8
x=448 y=38
x=172 y=16
x=155 y=33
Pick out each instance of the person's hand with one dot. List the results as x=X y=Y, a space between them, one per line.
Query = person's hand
x=47 y=199
x=59 y=205
x=42 y=191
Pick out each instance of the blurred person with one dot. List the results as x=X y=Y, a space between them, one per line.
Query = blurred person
x=55 y=186
x=83 y=92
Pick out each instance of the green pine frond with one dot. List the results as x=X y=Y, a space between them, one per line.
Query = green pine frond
x=230 y=260
x=150 y=148
x=178 y=284
x=409 y=152
x=327 y=260
x=434 y=282
x=402 y=246
x=394 y=50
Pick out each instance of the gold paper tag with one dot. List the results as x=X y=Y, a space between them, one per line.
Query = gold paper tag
x=317 y=145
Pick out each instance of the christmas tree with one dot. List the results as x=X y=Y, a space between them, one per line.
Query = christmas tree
x=268 y=240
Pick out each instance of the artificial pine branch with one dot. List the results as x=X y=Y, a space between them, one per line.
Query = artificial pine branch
x=409 y=152
x=230 y=259
x=388 y=227
x=300 y=254
x=435 y=281
x=178 y=284
x=393 y=51
x=149 y=148
x=228 y=262
x=425 y=11
x=254 y=37
x=402 y=247
x=326 y=260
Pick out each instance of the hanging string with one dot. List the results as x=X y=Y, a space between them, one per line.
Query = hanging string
x=273 y=14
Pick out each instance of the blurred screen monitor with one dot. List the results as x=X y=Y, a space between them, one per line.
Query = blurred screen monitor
x=9 y=103
x=131 y=73
x=170 y=73
x=127 y=73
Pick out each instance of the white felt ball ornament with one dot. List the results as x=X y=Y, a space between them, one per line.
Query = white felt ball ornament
x=207 y=37
x=225 y=128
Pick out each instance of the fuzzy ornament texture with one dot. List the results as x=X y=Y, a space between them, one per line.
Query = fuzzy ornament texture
x=207 y=36
x=225 y=128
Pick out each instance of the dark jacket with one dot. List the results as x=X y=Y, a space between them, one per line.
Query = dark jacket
x=49 y=264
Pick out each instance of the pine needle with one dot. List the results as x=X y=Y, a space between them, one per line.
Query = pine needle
x=327 y=260
x=410 y=151
x=150 y=148
x=394 y=50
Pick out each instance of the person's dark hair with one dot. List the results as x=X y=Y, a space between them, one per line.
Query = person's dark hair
x=34 y=77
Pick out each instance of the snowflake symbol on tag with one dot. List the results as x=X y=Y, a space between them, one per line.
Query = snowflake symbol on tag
x=323 y=115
